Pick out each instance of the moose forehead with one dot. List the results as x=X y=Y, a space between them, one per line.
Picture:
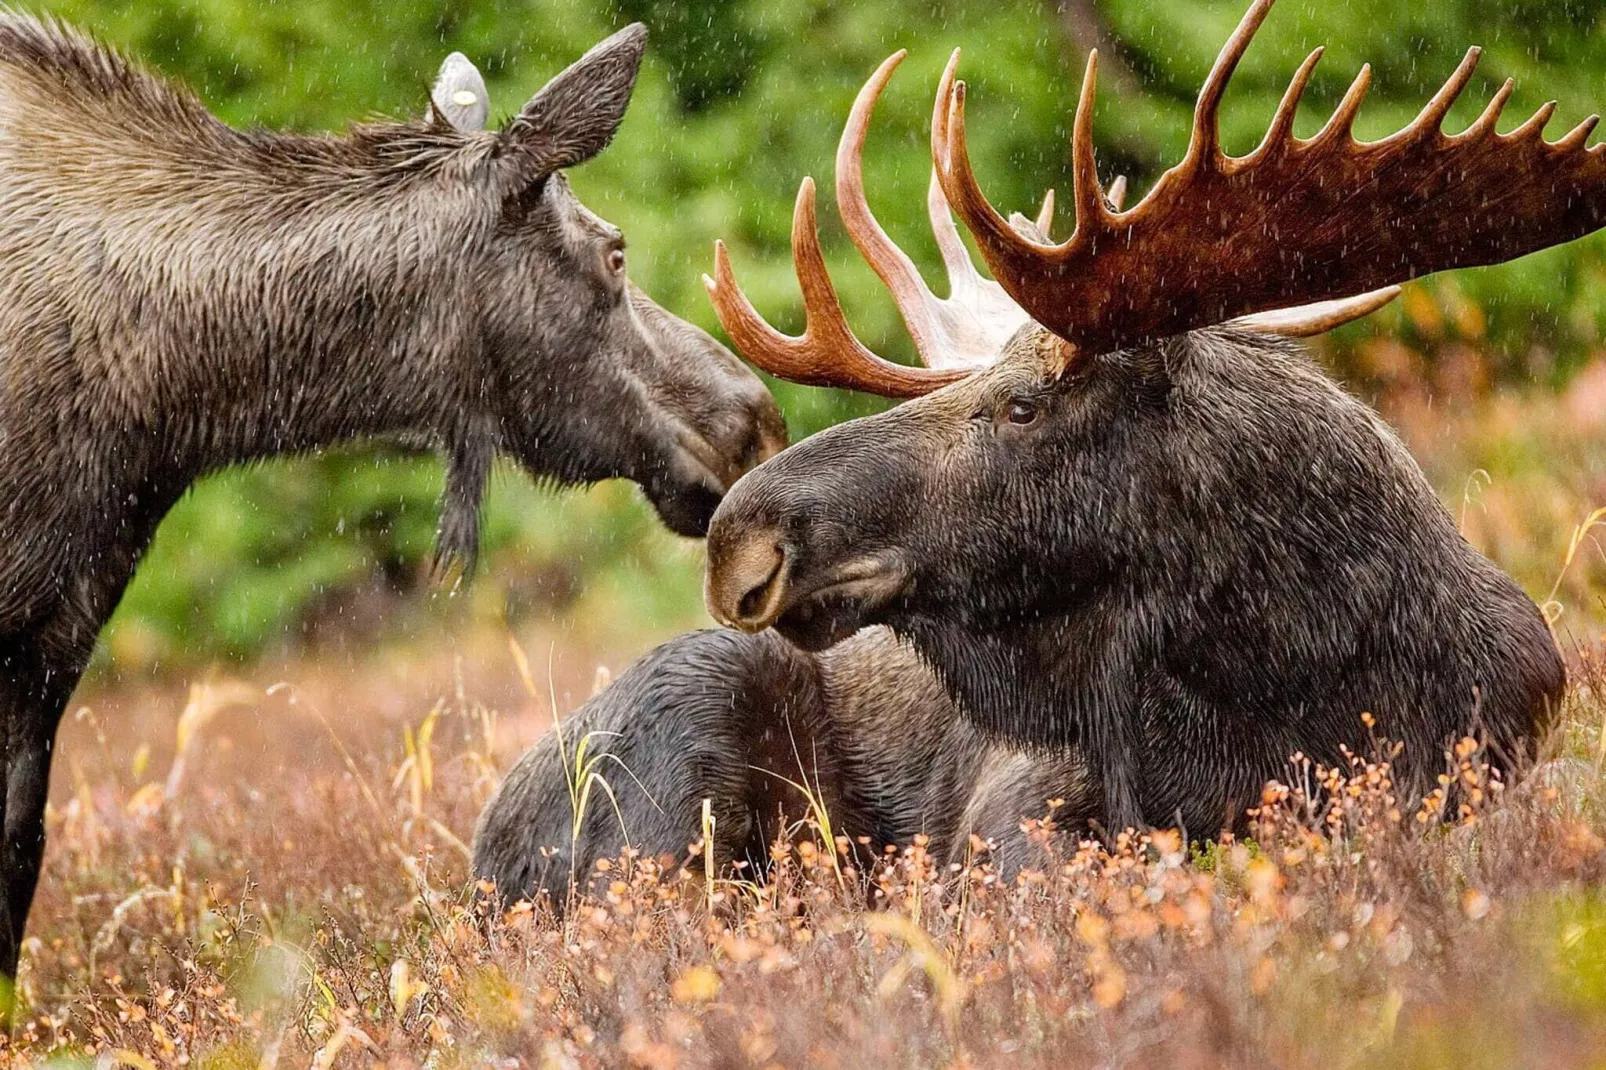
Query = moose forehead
x=1214 y=386
x=592 y=229
x=1033 y=360
x=578 y=226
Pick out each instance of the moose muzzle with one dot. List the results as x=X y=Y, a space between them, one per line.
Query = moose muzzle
x=810 y=545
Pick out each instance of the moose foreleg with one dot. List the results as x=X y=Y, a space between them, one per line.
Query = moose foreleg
x=31 y=703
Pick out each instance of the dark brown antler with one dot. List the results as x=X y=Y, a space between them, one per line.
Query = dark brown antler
x=1294 y=222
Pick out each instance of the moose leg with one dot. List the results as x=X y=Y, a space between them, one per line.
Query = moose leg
x=31 y=703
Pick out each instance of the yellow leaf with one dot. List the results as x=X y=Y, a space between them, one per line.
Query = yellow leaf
x=1263 y=879
x=402 y=985
x=146 y=800
x=1422 y=309
x=124 y=1057
x=1110 y=990
x=696 y=985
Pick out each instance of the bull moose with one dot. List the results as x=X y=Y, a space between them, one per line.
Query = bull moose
x=177 y=295
x=1134 y=557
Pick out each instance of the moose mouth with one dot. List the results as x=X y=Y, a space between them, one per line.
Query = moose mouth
x=700 y=473
x=846 y=600
x=714 y=468
x=697 y=479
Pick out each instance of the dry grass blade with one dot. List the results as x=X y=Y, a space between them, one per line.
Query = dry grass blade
x=1551 y=607
x=923 y=954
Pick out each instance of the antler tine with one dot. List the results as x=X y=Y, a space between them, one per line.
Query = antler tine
x=1536 y=124
x=1308 y=321
x=962 y=274
x=1491 y=115
x=1281 y=130
x=1205 y=142
x=1010 y=254
x=1342 y=124
x=951 y=155
x=826 y=353
x=1579 y=135
x=1431 y=119
x=909 y=290
x=1117 y=192
x=774 y=352
x=955 y=257
x=1045 y=214
x=1086 y=192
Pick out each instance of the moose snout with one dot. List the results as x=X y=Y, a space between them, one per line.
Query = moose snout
x=814 y=542
x=747 y=580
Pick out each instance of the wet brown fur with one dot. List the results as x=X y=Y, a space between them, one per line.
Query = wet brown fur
x=741 y=720
x=177 y=295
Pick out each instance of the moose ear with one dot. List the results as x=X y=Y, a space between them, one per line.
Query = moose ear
x=577 y=113
x=459 y=98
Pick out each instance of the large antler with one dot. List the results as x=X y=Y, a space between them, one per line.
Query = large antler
x=1296 y=221
x=826 y=353
x=953 y=335
x=968 y=328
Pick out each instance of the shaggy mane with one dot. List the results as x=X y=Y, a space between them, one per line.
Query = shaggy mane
x=121 y=99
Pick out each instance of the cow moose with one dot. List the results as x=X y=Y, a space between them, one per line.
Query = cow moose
x=1139 y=554
x=177 y=295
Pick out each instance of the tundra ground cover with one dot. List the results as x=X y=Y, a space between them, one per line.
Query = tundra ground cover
x=265 y=865
x=303 y=898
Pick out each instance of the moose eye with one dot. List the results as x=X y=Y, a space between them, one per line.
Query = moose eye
x=616 y=261
x=1021 y=412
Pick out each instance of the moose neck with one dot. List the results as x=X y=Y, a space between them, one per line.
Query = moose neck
x=203 y=296
x=177 y=296
x=280 y=330
x=1185 y=708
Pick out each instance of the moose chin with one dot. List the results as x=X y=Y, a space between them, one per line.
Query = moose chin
x=1127 y=546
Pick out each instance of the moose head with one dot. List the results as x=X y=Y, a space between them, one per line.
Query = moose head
x=1122 y=512
x=592 y=378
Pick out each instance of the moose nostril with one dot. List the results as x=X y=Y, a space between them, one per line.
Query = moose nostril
x=755 y=601
x=747 y=585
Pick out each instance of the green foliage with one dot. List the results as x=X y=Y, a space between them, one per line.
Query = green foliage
x=739 y=100
x=1568 y=932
